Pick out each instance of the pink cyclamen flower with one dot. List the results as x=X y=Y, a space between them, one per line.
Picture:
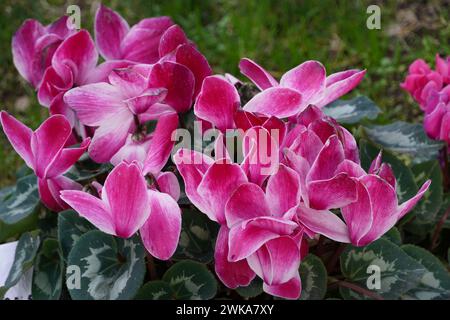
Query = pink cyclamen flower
x=44 y=151
x=437 y=116
x=33 y=46
x=126 y=205
x=376 y=210
x=114 y=107
x=421 y=81
x=74 y=63
x=299 y=87
x=150 y=41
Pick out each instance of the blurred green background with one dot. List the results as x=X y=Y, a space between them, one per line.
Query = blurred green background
x=277 y=34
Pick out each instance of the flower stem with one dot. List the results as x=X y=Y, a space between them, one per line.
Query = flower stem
x=437 y=231
x=357 y=288
x=335 y=258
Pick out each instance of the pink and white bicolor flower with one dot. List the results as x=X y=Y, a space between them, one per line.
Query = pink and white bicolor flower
x=127 y=206
x=299 y=87
x=44 y=151
x=222 y=191
x=376 y=210
x=33 y=46
x=115 y=107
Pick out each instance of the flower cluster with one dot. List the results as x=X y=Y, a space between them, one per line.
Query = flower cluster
x=267 y=210
x=300 y=174
x=431 y=89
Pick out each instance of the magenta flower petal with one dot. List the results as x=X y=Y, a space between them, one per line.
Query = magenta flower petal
x=192 y=166
x=333 y=193
x=178 y=80
x=278 y=102
x=288 y=290
x=79 y=54
x=249 y=236
x=339 y=88
x=110 y=29
x=91 y=208
x=283 y=191
x=323 y=222
x=66 y=159
x=54 y=84
x=19 y=136
x=142 y=41
x=23 y=50
x=171 y=39
x=358 y=215
x=277 y=261
x=323 y=168
x=232 y=274
x=47 y=141
x=111 y=136
x=217 y=102
x=190 y=57
x=307 y=78
x=95 y=103
x=218 y=184
x=248 y=201
x=407 y=206
x=125 y=190
x=161 y=232
x=161 y=144
x=260 y=77
x=58 y=184
x=128 y=81
x=168 y=183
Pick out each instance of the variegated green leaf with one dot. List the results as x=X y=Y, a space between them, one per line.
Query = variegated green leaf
x=398 y=272
x=197 y=237
x=108 y=268
x=435 y=282
x=20 y=203
x=155 y=290
x=70 y=228
x=353 y=110
x=314 y=278
x=25 y=254
x=48 y=272
x=404 y=137
x=191 y=280
x=254 y=289
x=394 y=236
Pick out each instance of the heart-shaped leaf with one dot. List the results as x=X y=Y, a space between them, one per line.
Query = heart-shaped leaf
x=155 y=290
x=70 y=228
x=380 y=263
x=353 y=110
x=191 y=280
x=314 y=278
x=197 y=237
x=102 y=267
x=404 y=137
x=48 y=272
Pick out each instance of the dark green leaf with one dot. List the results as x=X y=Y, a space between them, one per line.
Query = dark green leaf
x=353 y=110
x=314 y=278
x=48 y=272
x=155 y=290
x=191 y=280
x=435 y=283
x=25 y=254
x=394 y=236
x=110 y=268
x=70 y=228
x=404 y=138
x=254 y=289
x=21 y=203
x=197 y=237
x=399 y=273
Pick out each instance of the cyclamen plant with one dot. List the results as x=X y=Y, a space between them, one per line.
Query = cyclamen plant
x=300 y=194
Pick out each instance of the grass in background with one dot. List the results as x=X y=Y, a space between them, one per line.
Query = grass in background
x=277 y=34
